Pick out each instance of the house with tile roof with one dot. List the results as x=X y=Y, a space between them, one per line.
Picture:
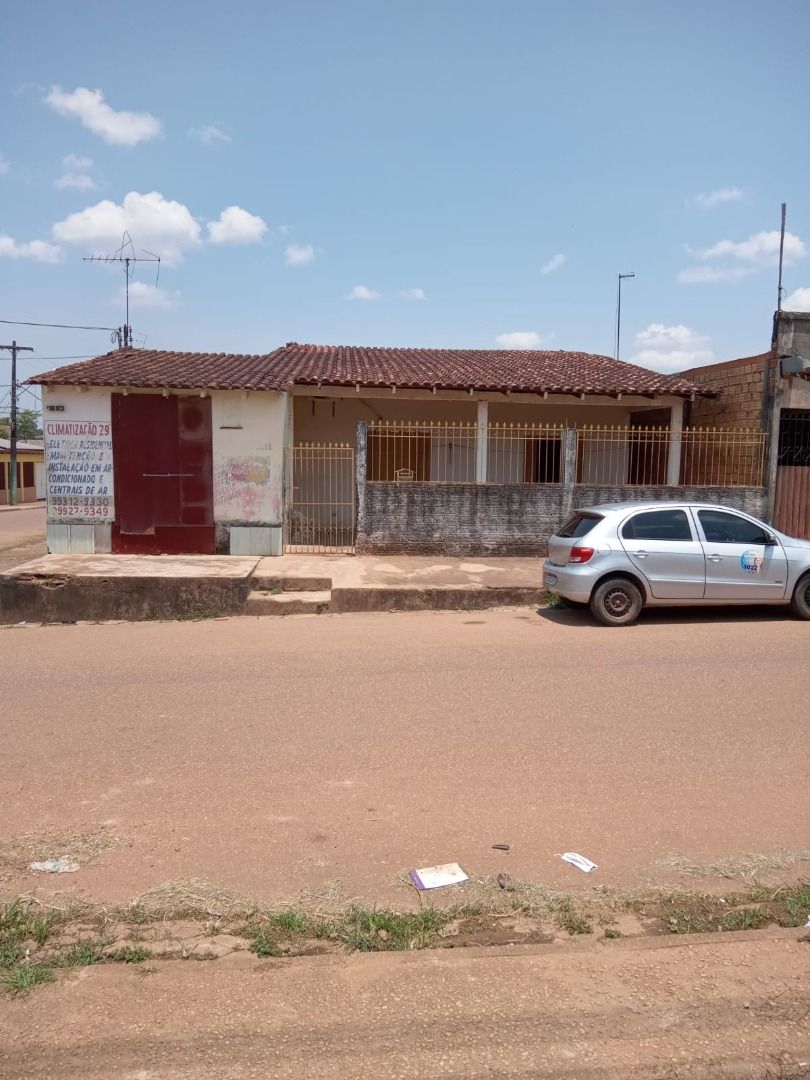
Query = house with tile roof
x=316 y=447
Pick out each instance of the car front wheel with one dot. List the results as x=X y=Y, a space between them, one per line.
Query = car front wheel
x=616 y=602
x=800 y=604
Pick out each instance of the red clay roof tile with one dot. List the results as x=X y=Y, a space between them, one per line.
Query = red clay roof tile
x=527 y=371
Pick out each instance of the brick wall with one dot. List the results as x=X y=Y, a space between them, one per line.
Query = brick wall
x=499 y=519
x=752 y=500
x=458 y=519
x=739 y=393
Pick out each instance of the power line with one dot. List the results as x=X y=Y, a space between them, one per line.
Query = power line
x=58 y=326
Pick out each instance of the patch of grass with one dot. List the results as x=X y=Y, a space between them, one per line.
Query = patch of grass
x=290 y=921
x=25 y=977
x=11 y=953
x=264 y=945
x=322 y=930
x=129 y=954
x=554 y=601
x=82 y=954
x=612 y=932
x=379 y=930
x=747 y=918
x=568 y=918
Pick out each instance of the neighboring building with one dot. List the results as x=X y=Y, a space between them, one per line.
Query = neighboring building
x=30 y=470
x=326 y=447
x=753 y=391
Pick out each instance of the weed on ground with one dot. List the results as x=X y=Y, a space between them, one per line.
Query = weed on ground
x=194 y=920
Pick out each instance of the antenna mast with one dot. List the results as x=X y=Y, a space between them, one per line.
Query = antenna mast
x=127 y=257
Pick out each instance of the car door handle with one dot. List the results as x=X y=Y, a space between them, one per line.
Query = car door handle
x=714 y=558
x=641 y=554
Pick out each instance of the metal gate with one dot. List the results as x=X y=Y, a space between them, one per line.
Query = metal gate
x=792 y=507
x=320 y=512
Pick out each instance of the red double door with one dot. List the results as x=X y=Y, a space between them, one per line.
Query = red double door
x=163 y=468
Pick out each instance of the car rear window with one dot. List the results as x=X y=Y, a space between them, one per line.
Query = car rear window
x=578 y=525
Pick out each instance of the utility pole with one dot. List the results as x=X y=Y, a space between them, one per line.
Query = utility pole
x=781 y=256
x=13 y=348
x=621 y=278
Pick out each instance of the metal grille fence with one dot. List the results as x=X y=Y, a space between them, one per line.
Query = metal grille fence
x=633 y=456
x=447 y=452
x=321 y=507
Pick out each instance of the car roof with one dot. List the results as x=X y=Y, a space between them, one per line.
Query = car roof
x=603 y=509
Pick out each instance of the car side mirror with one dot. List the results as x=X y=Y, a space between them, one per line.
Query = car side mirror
x=770 y=541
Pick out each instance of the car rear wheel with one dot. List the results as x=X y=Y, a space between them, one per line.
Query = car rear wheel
x=616 y=602
x=800 y=604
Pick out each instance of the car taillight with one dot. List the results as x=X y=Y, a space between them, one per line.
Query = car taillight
x=580 y=554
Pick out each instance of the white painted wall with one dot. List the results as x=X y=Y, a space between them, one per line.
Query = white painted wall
x=249 y=435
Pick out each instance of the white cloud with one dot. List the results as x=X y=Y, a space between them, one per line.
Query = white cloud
x=743 y=257
x=160 y=225
x=708 y=200
x=702 y=275
x=4 y=166
x=554 y=263
x=142 y=295
x=76 y=174
x=671 y=348
x=36 y=250
x=759 y=250
x=236 y=226
x=519 y=339
x=299 y=254
x=209 y=133
x=117 y=128
x=413 y=294
x=799 y=300
x=363 y=292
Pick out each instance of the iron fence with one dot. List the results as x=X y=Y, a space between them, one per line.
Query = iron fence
x=321 y=503
x=653 y=456
x=451 y=452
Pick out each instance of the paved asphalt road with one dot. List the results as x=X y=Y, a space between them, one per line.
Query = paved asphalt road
x=21 y=524
x=730 y=1009
x=273 y=755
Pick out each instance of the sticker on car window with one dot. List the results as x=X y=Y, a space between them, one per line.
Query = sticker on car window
x=751 y=562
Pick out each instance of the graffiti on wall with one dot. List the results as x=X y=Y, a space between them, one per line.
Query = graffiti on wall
x=242 y=490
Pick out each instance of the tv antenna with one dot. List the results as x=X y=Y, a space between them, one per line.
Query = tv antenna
x=125 y=255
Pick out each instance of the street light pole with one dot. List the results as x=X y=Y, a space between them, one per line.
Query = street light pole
x=621 y=278
x=13 y=348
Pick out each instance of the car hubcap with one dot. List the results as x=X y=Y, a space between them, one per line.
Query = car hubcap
x=618 y=603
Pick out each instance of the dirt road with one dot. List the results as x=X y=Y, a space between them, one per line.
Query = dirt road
x=729 y=1009
x=275 y=755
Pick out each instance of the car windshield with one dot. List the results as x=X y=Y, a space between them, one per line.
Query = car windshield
x=578 y=525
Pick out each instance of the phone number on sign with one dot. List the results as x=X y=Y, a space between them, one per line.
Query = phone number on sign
x=83 y=511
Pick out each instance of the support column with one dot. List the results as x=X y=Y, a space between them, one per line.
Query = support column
x=361 y=472
x=569 y=470
x=482 y=448
x=675 y=444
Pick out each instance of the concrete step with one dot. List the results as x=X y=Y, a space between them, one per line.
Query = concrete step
x=307 y=602
x=287 y=583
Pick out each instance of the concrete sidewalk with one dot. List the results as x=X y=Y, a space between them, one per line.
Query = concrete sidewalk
x=70 y=588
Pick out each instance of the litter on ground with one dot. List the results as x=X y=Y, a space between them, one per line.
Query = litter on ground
x=575 y=859
x=56 y=866
x=435 y=877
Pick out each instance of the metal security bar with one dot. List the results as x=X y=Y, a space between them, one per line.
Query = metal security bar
x=321 y=503
x=524 y=453
x=694 y=457
x=448 y=452
x=722 y=457
x=438 y=452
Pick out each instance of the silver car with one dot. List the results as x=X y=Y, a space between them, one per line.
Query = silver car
x=623 y=557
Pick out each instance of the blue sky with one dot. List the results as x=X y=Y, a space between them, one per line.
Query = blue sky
x=433 y=172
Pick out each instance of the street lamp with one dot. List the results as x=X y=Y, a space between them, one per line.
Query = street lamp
x=621 y=278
